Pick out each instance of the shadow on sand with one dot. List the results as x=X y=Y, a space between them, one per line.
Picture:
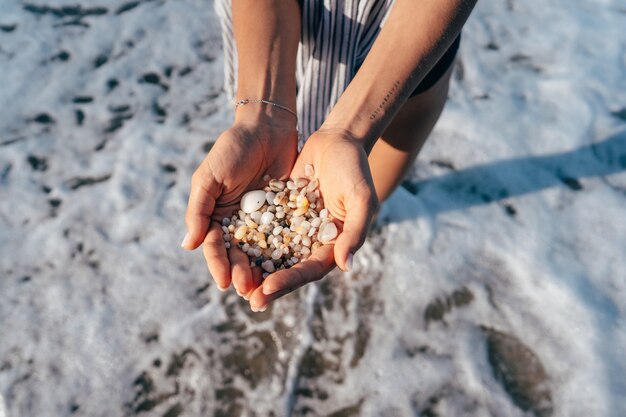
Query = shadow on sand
x=500 y=180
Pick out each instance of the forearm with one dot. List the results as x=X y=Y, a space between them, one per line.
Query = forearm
x=267 y=34
x=414 y=37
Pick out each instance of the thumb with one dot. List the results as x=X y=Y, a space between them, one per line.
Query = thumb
x=199 y=209
x=359 y=214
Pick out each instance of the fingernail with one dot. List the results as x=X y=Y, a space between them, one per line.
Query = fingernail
x=349 y=260
x=246 y=298
x=262 y=309
x=185 y=240
x=268 y=291
x=222 y=289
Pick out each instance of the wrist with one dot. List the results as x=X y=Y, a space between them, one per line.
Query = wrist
x=263 y=114
x=349 y=130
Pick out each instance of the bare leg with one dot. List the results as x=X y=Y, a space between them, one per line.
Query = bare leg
x=393 y=155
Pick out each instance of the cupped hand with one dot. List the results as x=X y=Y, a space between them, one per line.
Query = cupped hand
x=345 y=182
x=237 y=163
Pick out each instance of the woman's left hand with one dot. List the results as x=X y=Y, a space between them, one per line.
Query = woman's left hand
x=345 y=183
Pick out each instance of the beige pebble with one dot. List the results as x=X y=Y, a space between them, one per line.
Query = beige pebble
x=241 y=232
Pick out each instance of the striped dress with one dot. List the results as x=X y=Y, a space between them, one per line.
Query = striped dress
x=336 y=37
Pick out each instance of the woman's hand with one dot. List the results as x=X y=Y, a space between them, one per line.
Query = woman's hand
x=345 y=182
x=237 y=163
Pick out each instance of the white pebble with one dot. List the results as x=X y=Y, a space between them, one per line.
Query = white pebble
x=268 y=266
x=277 y=254
x=327 y=232
x=277 y=230
x=252 y=201
x=256 y=216
x=267 y=218
x=324 y=213
x=308 y=170
x=269 y=197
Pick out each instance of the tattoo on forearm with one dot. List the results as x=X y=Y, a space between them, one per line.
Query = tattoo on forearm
x=390 y=93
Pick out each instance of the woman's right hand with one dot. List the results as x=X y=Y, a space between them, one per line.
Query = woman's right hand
x=236 y=164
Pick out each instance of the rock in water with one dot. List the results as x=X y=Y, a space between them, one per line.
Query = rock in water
x=252 y=201
x=520 y=372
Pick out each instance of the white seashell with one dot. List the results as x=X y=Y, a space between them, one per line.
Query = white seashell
x=252 y=201
x=291 y=185
x=277 y=185
x=312 y=185
x=316 y=222
x=324 y=213
x=267 y=217
x=301 y=183
x=269 y=197
x=277 y=230
x=278 y=198
x=300 y=211
x=327 y=232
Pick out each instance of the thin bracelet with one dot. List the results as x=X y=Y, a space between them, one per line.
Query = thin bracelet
x=246 y=101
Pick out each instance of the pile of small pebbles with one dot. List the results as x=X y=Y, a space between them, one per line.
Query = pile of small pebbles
x=282 y=224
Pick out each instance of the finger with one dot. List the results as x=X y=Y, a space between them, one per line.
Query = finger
x=257 y=280
x=359 y=213
x=199 y=209
x=215 y=255
x=241 y=272
x=287 y=280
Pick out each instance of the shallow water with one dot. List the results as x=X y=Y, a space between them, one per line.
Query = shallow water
x=493 y=284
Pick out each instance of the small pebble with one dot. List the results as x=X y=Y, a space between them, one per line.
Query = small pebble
x=252 y=201
x=280 y=225
x=327 y=232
